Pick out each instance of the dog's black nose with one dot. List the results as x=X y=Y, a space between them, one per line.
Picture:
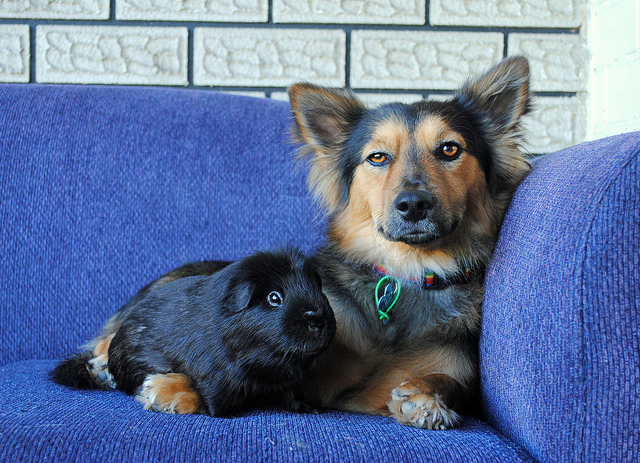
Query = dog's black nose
x=413 y=205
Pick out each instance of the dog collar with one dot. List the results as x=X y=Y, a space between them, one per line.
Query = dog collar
x=389 y=286
x=430 y=280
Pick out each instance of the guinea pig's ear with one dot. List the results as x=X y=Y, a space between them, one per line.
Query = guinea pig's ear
x=239 y=297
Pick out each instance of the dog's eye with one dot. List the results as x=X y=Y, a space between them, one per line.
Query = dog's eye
x=378 y=159
x=274 y=299
x=450 y=150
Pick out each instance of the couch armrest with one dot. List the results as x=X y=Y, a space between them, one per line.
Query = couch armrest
x=560 y=345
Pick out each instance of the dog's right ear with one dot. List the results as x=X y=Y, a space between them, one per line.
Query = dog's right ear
x=239 y=296
x=324 y=117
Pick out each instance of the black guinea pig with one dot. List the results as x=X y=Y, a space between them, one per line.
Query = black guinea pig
x=219 y=343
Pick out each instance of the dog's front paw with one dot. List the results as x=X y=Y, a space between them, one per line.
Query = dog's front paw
x=414 y=403
x=169 y=393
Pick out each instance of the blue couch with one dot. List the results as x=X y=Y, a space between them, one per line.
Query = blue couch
x=105 y=188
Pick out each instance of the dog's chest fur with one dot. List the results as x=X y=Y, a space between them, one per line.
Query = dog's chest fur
x=419 y=318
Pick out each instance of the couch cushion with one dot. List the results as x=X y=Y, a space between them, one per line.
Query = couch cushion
x=41 y=421
x=560 y=347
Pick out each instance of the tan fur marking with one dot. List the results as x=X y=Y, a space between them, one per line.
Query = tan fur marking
x=102 y=346
x=170 y=393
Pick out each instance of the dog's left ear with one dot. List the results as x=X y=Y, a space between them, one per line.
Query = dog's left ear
x=502 y=93
x=239 y=296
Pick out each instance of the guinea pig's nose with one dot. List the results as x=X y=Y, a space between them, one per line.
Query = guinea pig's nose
x=312 y=319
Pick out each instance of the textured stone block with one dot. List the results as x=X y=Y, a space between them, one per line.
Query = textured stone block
x=420 y=60
x=55 y=9
x=555 y=123
x=349 y=11
x=14 y=53
x=369 y=99
x=194 y=10
x=268 y=57
x=111 y=55
x=523 y=13
x=559 y=62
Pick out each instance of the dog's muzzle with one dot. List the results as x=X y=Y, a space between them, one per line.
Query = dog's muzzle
x=413 y=206
x=416 y=219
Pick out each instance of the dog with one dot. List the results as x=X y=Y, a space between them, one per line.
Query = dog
x=415 y=195
x=214 y=337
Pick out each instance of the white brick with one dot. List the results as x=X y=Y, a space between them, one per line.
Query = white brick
x=555 y=123
x=420 y=60
x=268 y=57
x=247 y=93
x=615 y=99
x=614 y=32
x=377 y=99
x=559 y=62
x=14 y=53
x=280 y=96
x=369 y=99
x=523 y=13
x=55 y=9
x=111 y=55
x=614 y=96
x=349 y=11
x=252 y=11
x=440 y=97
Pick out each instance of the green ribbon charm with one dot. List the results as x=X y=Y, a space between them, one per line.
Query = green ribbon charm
x=388 y=299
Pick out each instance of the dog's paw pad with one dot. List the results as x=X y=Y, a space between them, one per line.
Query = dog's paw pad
x=409 y=405
x=169 y=393
x=99 y=371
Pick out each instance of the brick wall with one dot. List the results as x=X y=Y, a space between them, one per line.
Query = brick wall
x=614 y=87
x=384 y=49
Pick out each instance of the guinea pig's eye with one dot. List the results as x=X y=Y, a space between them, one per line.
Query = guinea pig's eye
x=274 y=299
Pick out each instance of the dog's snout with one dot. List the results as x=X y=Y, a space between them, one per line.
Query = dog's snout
x=413 y=206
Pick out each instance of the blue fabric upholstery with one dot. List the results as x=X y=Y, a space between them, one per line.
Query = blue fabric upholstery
x=46 y=422
x=105 y=188
x=560 y=349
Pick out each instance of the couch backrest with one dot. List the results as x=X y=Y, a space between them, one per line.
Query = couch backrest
x=105 y=188
x=560 y=347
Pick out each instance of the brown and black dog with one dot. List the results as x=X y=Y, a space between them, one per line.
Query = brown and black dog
x=415 y=195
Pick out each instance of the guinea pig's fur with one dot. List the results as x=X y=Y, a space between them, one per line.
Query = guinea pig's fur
x=242 y=336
